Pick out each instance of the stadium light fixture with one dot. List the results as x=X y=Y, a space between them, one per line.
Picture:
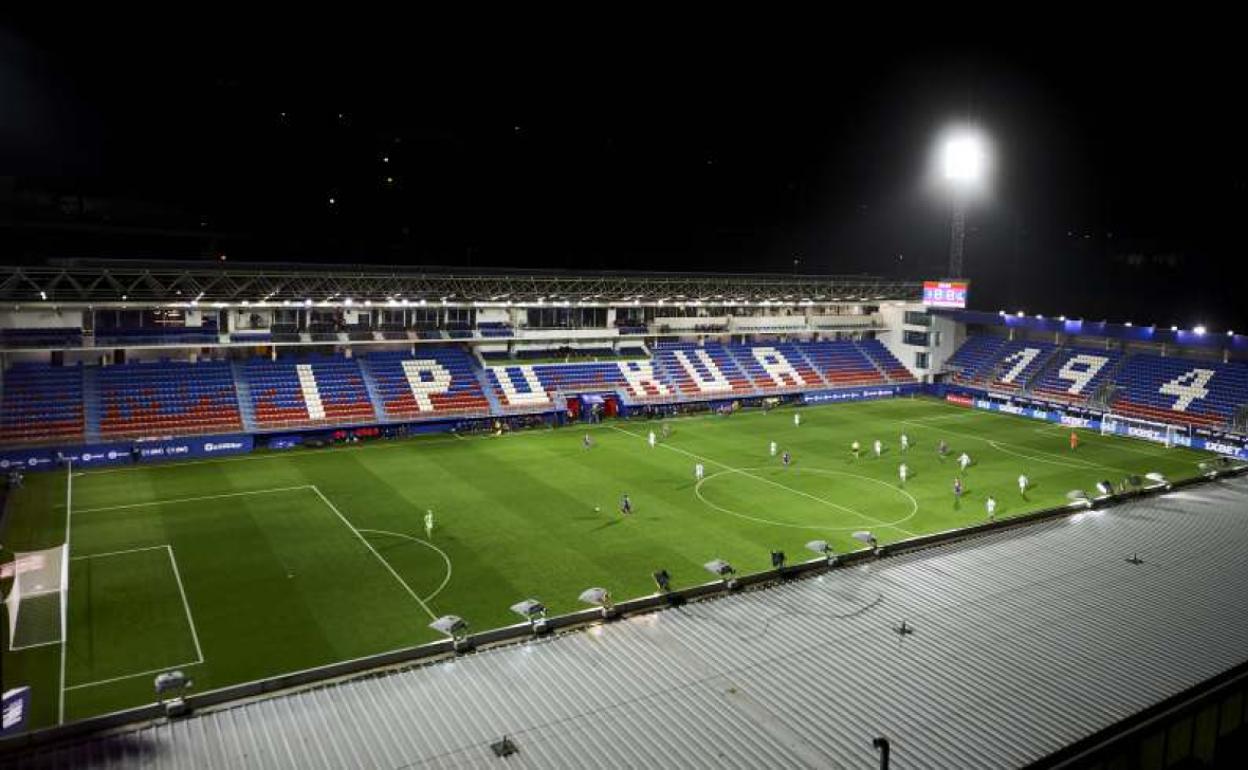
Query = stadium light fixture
x=600 y=597
x=1061 y=318
x=1230 y=332
x=724 y=570
x=865 y=537
x=1200 y=330
x=171 y=687
x=964 y=157
x=533 y=611
x=1019 y=314
x=1128 y=323
x=1174 y=328
x=963 y=164
x=822 y=548
x=453 y=627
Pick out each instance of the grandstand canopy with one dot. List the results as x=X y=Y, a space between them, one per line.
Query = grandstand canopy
x=142 y=283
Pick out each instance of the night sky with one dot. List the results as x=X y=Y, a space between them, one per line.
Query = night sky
x=1119 y=189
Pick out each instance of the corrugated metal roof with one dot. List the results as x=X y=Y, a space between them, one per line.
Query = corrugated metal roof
x=1023 y=642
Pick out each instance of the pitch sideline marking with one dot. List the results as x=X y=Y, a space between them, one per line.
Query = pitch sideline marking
x=69 y=512
x=195 y=499
x=370 y=547
x=445 y=558
x=772 y=483
x=190 y=620
x=1080 y=464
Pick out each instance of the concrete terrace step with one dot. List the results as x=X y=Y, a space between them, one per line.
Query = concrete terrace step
x=246 y=410
x=370 y=385
x=90 y=404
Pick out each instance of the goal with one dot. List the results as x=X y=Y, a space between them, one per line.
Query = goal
x=36 y=603
x=1132 y=427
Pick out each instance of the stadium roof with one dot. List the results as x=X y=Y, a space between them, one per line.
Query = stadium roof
x=206 y=283
x=1024 y=641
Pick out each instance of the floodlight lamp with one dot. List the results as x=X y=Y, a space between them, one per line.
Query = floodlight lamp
x=1061 y=318
x=533 y=611
x=600 y=597
x=963 y=158
x=1128 y=323
x=453 y=627
x=822 y=548
x=1199 y=329
x=724 y=570
x=1019 y=314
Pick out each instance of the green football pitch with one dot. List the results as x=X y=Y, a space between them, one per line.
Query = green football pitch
x=235 y=569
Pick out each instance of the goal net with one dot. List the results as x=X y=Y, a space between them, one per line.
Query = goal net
x=1132 y=427
x=36 y=603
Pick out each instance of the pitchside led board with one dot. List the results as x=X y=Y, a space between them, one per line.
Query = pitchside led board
x=944 y=293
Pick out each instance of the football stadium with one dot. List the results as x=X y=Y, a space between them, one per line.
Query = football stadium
x=301 y=476
x=430 y=398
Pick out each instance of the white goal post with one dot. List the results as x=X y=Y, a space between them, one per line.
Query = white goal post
x=37 y=602
x=1148 y=430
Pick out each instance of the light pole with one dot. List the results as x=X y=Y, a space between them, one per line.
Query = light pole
x=963 y=161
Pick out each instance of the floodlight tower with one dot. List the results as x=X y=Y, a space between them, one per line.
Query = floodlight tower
x=963 y=160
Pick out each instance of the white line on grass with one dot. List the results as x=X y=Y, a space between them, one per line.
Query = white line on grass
x=999 y=446
x=185 y=604
x=445 y=558
x=118 y=553
x=370 y=547
x=69 y=512
x=110 y=680
x=195 y=499
x=774 y=484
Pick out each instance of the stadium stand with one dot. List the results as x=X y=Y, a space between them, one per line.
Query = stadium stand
x=291 y=392
x=1074 y=375
x=41 y=404
x=489 y=329
x=1016 y=362
x=702 y=370
x=884 y=359
x=160 y=335
x=973 y=360
x=841 y=364
x=285 y=332
x=518 y=387
x=776 y=367
x=432 y=382
x=1180 y=390
x=177 y=398
x=41 y=338
x=166 y=398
